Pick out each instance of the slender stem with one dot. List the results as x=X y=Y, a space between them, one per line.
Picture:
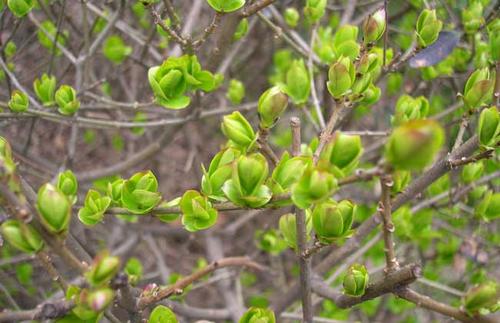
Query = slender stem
x=264 y=146
x=255 y=7
x=433 y=305
x=300 y=221
x=177 y=288
x=387 y=284
x=46 y=262
x=387 y=225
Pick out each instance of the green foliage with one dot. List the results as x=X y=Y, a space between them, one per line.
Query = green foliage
x=413 y=145
x=115 y=50
x=332 y=220
x=94 y=207
x=45 y=89
x=98 y=300
x=288 y=228
x=140 y=193
x=374 y=26
x=178 y=75
x=482 y=296
x=226 y=5
x=103 y=269
x=315 y=185
x=488 y=128
x=287 y=172
x=162 y=314
x=197 y=211
x=67 y=100
x=236 y=91
x=21 y=236
x=428 y=27
x=260 y=315
x=298 y=83
x=341 y=77
x=478 y=88
x=219 y=171
x=489 y=208
x=270 y=241
x=355 y=280
x=47 y=33
x=472 y=17
x=19 y=101
x=342 y=153
x=133 y=269
x=272 y=104
x=68 y=184
x=241 y=30
x=314 y=10
x=239 y=131
x=292 y=17
x=246 y=187
x=54 y=208
x=409 y=108
x=20 y=8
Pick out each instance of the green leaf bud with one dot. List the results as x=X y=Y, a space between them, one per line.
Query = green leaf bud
x=20 y=8
x=67 y=100
x=481 y=296
x=488 y=128
x=494 y=36
x=140 y=193
x=314 y=10
x=98 y=300
x=298 y=83
x=292 y=17
x=133 y=269
x=409 y=108
x=10 y=49
x=367 y=63
x=371 y=95
x=345 y=42
x=197 y=211
x=288 y=228
x=241 y=29
x=21 y=236
x=401 y=179
x=272 y=104
x=343 y=152
x=162 y=314
x=19 y=101
x=258 y=315
x=45 y=89
x=314 y=186
x=54 y=208
x=114 y=191
x=168 y=217
x=270 y=241
x=287 y=172
x=472 y=172
x=472 y=17
x=226 y=5
x=374 y=26
x=67 y=183
x=236 y=91
x=333 y=220
x=478 y=88
x=7 y=165
x=413 y=145
x=341 y=77
x=48 y=28
x=94 y=207
x=428 y=27
x=246 y=186
x=103 y=269
x=219 y=171
x=115 y=49
x=355 y=280
x=237 y=129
